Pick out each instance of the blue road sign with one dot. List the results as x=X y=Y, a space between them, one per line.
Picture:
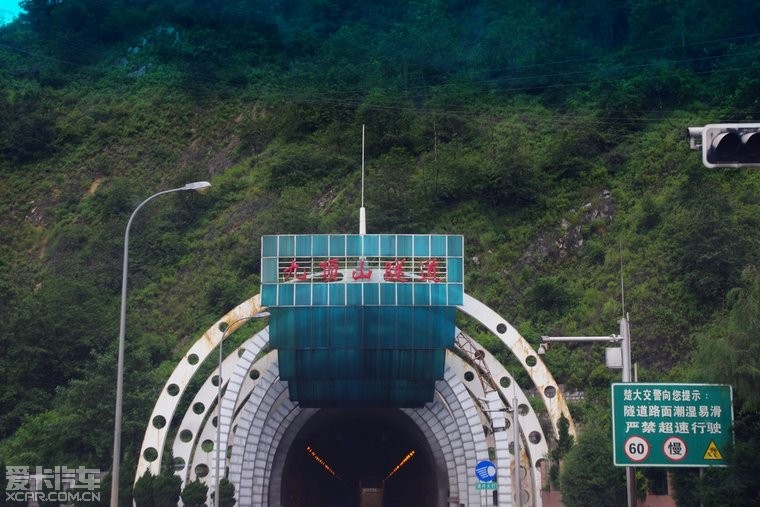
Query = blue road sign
x=485 y=471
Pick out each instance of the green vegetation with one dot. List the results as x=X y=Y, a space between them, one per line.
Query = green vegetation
x=226 y=493
x=550 y=135
x=586 y=472
x=194 y=494
x=161 y=490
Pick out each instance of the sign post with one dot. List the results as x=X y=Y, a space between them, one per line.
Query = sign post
x=672 y=425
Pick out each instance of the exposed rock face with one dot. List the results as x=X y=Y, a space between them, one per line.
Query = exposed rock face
x=592 y=218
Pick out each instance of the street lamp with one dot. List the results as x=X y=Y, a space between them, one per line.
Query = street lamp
x=516 y=436
x=227 y=330
x=199 y=186
x=624 y=339
x=611 y=360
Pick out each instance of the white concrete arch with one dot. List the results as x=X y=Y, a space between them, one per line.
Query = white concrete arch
x=267 y=421
x=531 y=362
x=158 y=426
x=259 y=433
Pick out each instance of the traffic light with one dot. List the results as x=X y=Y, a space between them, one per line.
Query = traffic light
x=728 y=144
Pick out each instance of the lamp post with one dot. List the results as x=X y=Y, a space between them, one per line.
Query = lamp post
x=624 y=339
x=228 y=330
x=516 y=428
x=115 y=472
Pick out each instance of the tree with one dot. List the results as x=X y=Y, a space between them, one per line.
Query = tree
x=143 y=491
x=126 y=484
x=161 y=490
x=729 y=353
x=564 y=444
x=166 y=490
x=565 y=441
x=226 y=493
x=194 y=494
x=710 y=244
x=588 y=476
x=4 y=483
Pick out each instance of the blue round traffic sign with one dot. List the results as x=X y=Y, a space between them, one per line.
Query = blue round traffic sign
x=485 y=471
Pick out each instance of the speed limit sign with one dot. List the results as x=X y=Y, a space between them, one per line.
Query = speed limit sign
x=636 y=448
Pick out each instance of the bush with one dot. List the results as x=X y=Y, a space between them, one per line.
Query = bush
x=143 y=491
x=195 y=494
x=226 y=492
x=27 y=130
x=588 y=476
x=166 y=490
x=157 y=490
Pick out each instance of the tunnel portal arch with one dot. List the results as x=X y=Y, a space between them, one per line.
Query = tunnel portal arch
x=337 y=449
x=467 y=421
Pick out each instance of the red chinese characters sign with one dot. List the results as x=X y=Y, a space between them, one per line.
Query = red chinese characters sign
x=356 y=270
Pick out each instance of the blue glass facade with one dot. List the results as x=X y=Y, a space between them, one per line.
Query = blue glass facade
x=362 y=320
x=375 y=251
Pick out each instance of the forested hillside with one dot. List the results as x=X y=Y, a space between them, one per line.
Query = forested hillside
x=551 y=134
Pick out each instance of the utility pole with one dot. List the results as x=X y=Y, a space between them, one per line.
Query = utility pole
x=625 y=346
x=624 y=339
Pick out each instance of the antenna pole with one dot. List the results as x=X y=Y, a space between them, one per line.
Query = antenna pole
x=362 y=211
x=622 y=285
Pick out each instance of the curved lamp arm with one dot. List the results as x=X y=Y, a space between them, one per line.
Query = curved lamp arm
x=115 y=469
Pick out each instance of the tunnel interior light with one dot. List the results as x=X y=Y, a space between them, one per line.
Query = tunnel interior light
x=403 y=462
x=322 y=462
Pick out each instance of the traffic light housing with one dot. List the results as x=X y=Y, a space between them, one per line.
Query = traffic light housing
x=730 y=144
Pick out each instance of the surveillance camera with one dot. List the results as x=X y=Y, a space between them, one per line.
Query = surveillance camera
x=694 y=134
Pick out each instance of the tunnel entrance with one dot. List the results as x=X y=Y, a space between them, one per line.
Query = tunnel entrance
x=340 y=451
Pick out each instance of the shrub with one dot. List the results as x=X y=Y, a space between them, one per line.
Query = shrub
x=194 y=494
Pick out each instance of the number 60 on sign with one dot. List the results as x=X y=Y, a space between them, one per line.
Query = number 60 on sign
x=636 y=448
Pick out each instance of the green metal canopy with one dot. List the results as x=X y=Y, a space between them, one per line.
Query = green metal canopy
x=362 y=320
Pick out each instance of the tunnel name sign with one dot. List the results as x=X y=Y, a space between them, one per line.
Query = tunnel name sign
x=673 y=425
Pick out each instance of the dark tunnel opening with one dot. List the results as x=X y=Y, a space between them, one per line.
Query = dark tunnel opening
x=340 y=450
